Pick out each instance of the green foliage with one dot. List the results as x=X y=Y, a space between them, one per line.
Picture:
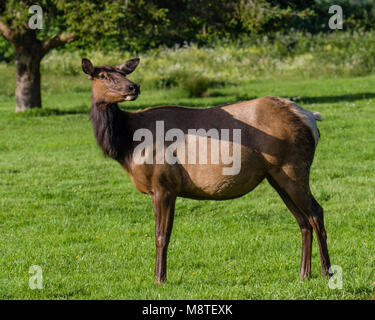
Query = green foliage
x=146 y=24
x=104 y=24
x=199 y=70
x=291 y=55
x=357 y=15
x=6 y=50
x=196 y=85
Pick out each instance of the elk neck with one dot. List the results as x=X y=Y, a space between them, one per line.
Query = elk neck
x=112 y=130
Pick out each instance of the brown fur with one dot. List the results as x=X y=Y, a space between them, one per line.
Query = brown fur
x=275 y=144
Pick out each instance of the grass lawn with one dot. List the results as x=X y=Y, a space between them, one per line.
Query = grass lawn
x=67 y=209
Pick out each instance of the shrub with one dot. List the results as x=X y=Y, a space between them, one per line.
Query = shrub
x=196 y=85
x=198 y=68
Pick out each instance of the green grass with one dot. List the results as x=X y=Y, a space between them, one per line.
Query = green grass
x=66 y=208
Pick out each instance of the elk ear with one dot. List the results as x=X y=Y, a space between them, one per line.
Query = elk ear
x=129 y=66
x=87 y=67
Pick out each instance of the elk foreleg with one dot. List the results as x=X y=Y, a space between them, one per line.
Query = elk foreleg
x=164 y=204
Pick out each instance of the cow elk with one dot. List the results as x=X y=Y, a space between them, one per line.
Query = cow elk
x=278 y=141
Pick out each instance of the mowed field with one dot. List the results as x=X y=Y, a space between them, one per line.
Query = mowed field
x=74 y=213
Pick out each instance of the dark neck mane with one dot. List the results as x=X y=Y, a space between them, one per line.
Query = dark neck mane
x=111 y=130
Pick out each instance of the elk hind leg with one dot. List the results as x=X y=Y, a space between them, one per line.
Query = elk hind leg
x=306 y=229
x=296 y=185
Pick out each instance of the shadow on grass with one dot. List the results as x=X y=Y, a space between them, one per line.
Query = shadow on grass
x=195 y=102
x=46 y=112
x=335 y=99
x=321 y=99
x=84 y=109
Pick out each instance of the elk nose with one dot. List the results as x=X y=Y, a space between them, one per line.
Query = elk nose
x=134 y=88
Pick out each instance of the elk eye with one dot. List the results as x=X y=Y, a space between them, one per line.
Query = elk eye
x=102 y=76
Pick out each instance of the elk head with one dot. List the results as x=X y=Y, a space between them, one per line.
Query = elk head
x=109 y=84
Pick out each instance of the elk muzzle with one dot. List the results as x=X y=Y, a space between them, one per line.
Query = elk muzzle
x=132 y=92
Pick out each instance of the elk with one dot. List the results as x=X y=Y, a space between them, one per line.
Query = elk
x=278 y=142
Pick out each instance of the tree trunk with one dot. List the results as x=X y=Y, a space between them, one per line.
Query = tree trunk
x=28 y=93
x=28 y=55
x=29 y=51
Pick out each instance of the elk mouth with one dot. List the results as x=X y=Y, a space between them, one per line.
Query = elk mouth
x=130 y=97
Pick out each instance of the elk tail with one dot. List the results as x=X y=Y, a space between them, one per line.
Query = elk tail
x=317 y=115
